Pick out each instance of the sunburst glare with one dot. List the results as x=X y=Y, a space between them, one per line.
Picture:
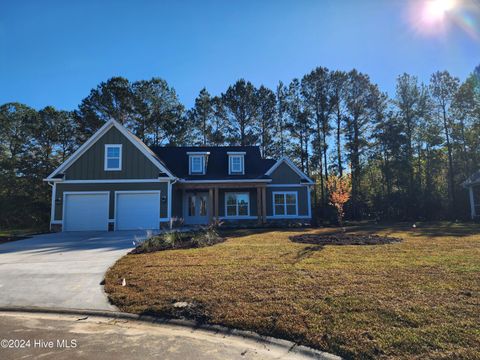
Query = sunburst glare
x=437 y=17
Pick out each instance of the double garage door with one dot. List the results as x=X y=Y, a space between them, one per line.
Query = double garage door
x=90 y=210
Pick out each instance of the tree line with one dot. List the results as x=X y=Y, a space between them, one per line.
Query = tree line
x=407 y=154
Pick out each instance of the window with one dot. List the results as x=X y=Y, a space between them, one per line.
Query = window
x=237 y=204
x=285 y=203
x=197 y=164
x=113 y=157
x=235 y=165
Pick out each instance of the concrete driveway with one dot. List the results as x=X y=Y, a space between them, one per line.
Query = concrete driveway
x=91 y=337
x=62 y=269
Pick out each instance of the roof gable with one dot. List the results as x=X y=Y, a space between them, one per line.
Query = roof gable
x=96 y=137
x=289 y=163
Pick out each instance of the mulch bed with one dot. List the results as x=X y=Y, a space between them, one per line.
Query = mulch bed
x=343 y=239
x=185 y=241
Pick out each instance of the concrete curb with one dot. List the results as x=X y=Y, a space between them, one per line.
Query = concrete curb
x=216 y=329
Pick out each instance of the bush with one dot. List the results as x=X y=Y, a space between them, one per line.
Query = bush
x=179 y=240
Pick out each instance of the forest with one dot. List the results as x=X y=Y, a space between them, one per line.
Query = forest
x=406 y=154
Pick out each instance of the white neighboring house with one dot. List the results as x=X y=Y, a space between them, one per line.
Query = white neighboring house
x=472 y=184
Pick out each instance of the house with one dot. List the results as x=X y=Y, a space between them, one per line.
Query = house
x=472 y=184
x=115 y=182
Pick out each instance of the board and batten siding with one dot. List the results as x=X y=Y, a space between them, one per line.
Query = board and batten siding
x=112 y=187
x=91 y=164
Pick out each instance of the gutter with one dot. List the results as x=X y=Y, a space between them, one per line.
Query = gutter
x=183 y=181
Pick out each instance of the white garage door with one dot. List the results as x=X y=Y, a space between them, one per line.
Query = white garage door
x=87 y=211
x=137 y=210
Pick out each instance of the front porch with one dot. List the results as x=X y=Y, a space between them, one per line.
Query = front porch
x=207 y=202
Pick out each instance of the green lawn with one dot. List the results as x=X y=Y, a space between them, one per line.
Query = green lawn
x=416 y=299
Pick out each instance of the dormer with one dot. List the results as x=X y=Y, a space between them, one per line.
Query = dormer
x=236 y=162
x=197 y=162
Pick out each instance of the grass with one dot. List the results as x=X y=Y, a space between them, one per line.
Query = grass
x=416 y=299
x=7 y=235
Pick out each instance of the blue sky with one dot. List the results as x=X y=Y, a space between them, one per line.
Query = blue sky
x=55 y=52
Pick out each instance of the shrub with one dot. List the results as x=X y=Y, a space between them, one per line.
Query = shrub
x=179 y=240
x=208 y=237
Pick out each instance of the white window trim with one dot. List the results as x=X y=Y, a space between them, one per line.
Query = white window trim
x=113 y=146
x=242 y=164
x=237 y=216
x=285 y=193
x=190 y=162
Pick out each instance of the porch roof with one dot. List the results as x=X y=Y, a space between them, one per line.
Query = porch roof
x=209 y=184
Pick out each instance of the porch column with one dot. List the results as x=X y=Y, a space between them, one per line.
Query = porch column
x=264 y=204
x=472 y=203
x=216 y=197
x=259 y=204
x=210 y=205
x=185 y=204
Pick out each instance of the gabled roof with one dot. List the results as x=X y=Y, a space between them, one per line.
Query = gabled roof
x=55 y=175
x=287 y=161
x=472 y=180
x=176 y=159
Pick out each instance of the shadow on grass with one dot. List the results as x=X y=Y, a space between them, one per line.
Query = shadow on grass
x=433 y=229
x=307 y=251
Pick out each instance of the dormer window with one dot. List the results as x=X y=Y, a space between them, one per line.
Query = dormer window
x=197 y=163
x=113 y=157
x=236 y=163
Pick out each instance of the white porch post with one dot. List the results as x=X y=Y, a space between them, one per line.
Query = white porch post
x=52 y=210
x=169 y=203
x=309 y=201
x=472 y=202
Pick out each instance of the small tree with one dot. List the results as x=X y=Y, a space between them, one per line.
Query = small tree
x=339 y=190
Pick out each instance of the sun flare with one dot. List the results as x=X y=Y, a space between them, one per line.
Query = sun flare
x=434 y=11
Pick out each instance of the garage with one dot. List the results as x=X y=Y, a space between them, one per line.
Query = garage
x=85 y=211
x=137 y=210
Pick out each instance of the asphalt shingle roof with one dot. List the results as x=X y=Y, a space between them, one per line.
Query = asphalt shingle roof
x=176 y=160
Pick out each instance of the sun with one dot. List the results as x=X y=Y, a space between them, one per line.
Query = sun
x=434 y=11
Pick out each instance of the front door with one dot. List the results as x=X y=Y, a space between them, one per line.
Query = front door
x=196 y=208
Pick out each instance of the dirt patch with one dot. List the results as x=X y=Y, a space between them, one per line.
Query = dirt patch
x=344 y=239
x=192 y=310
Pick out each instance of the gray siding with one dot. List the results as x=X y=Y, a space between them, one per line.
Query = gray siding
x=285 y=175
x=302 y=196
x=162 y=186
x=90 y=166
